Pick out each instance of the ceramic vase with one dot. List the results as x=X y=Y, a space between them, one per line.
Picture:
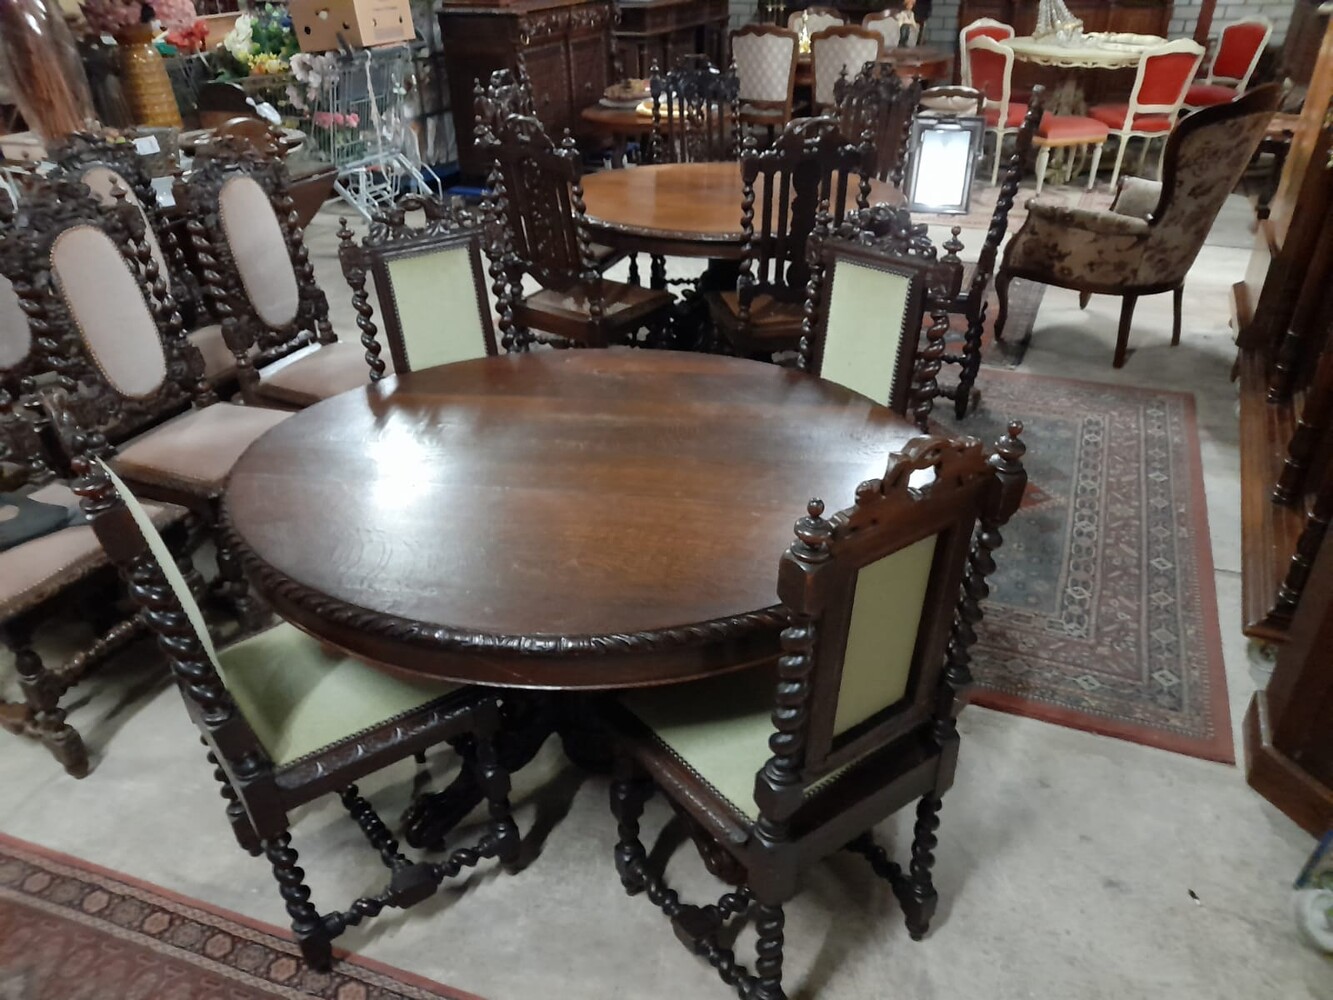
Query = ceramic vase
x=41 y=69
x=144 y=78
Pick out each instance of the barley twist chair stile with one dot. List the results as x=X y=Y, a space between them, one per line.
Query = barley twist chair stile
x=285 y=722
x=696 y=113
x=776 y=769
x=416 y=268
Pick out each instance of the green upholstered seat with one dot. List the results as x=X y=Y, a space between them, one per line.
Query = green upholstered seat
x=297 y=697
x=864 y=333
x=720 y=728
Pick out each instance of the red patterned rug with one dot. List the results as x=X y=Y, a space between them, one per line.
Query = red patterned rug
x=1103 y=614
x=73 y=931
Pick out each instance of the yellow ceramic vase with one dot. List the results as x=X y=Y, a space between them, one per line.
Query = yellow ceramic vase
x=143 y=76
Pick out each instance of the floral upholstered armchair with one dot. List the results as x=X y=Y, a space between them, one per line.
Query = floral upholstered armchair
x=1148 y=239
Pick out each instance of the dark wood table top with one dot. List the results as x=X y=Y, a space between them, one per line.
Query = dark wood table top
x=565 y=519
x=683 y=209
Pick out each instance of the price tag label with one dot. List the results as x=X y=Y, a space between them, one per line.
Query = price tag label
x=147 y=145
x=108 y=40
x=269 y=113
x=162 y=188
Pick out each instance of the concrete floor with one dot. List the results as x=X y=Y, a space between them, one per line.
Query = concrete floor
x=1069 y=865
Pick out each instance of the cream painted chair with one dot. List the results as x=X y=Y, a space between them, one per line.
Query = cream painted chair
x=286 y=721
x=417 y=270
x=837 y=52
x=780 y=767
x=1238 y=53
x=865 y=308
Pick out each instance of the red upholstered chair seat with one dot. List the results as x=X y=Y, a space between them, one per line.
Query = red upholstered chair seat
x=1114 y=116
x=1072 y=128
x=1203 y=95
x=1012 y=119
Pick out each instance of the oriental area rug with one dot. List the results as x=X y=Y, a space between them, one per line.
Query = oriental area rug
x=72 y=931
x=1102 y=614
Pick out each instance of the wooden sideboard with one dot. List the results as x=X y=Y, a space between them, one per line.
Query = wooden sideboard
x=663 y=30
x=564 y=44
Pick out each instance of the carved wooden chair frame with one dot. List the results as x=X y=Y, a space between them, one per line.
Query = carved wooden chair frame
x=970 y=301
x=696 y=112
x=84 y=151
x=884 y=238
x=39 y=715
x=558 y=252
x=907 y=751
x=781 y=241
x=252 y=341
x=884 y=105
x=392 y=237
x=259 y=794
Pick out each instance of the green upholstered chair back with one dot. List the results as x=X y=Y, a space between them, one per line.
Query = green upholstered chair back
x=872 y=592
x=871 y=309
x=430 y=282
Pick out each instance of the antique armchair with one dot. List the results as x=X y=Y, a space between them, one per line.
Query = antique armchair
x=62 y=574
x=286 y=719
x=537 y=209
x=765 y=58
x=808 y=164
x=776 y=769
x=971 y=282
x=882 y=105
x=1238 y=53
x=416 y=270
x=696 y=113
x=259 y=280
x=108 y=327
x=836 y=52
x=1155 y=102
x=875 y=277
x=1147 y=241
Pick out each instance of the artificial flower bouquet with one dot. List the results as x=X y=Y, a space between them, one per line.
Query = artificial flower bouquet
x=260 y=44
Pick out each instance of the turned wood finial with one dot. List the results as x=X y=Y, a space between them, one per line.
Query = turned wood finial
x=812 y=533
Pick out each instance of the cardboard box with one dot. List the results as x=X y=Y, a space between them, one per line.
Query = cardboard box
x=363 y=23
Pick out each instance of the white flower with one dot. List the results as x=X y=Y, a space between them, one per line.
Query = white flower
x=240 y=38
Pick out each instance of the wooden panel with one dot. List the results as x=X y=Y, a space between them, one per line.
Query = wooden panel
x=662 y=31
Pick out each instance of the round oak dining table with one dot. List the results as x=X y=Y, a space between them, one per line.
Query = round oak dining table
x=568 y=520
x=681 y=209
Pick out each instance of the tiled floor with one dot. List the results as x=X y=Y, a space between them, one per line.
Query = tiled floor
x=1070 y=865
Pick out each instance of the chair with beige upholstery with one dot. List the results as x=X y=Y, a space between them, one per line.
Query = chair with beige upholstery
x=838 y=52
x=776 y=768
x=416 y=270
x=258 y=276
x=287 y=720
x=130 y=380
x=812 y=19
x=765 y=58
x=1147 y=241
x=890 y=25
x=865 y=308
x=55 y=575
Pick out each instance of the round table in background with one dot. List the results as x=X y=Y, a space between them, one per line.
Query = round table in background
x=1098 y=51
x=558 y=520
x=680 y=209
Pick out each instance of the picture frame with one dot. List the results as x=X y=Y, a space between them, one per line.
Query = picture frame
x=942 y=156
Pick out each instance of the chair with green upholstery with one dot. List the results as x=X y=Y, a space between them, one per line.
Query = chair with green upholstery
x=286 y=720
x=416 y=270
x=775 y=769
x=865 y=305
